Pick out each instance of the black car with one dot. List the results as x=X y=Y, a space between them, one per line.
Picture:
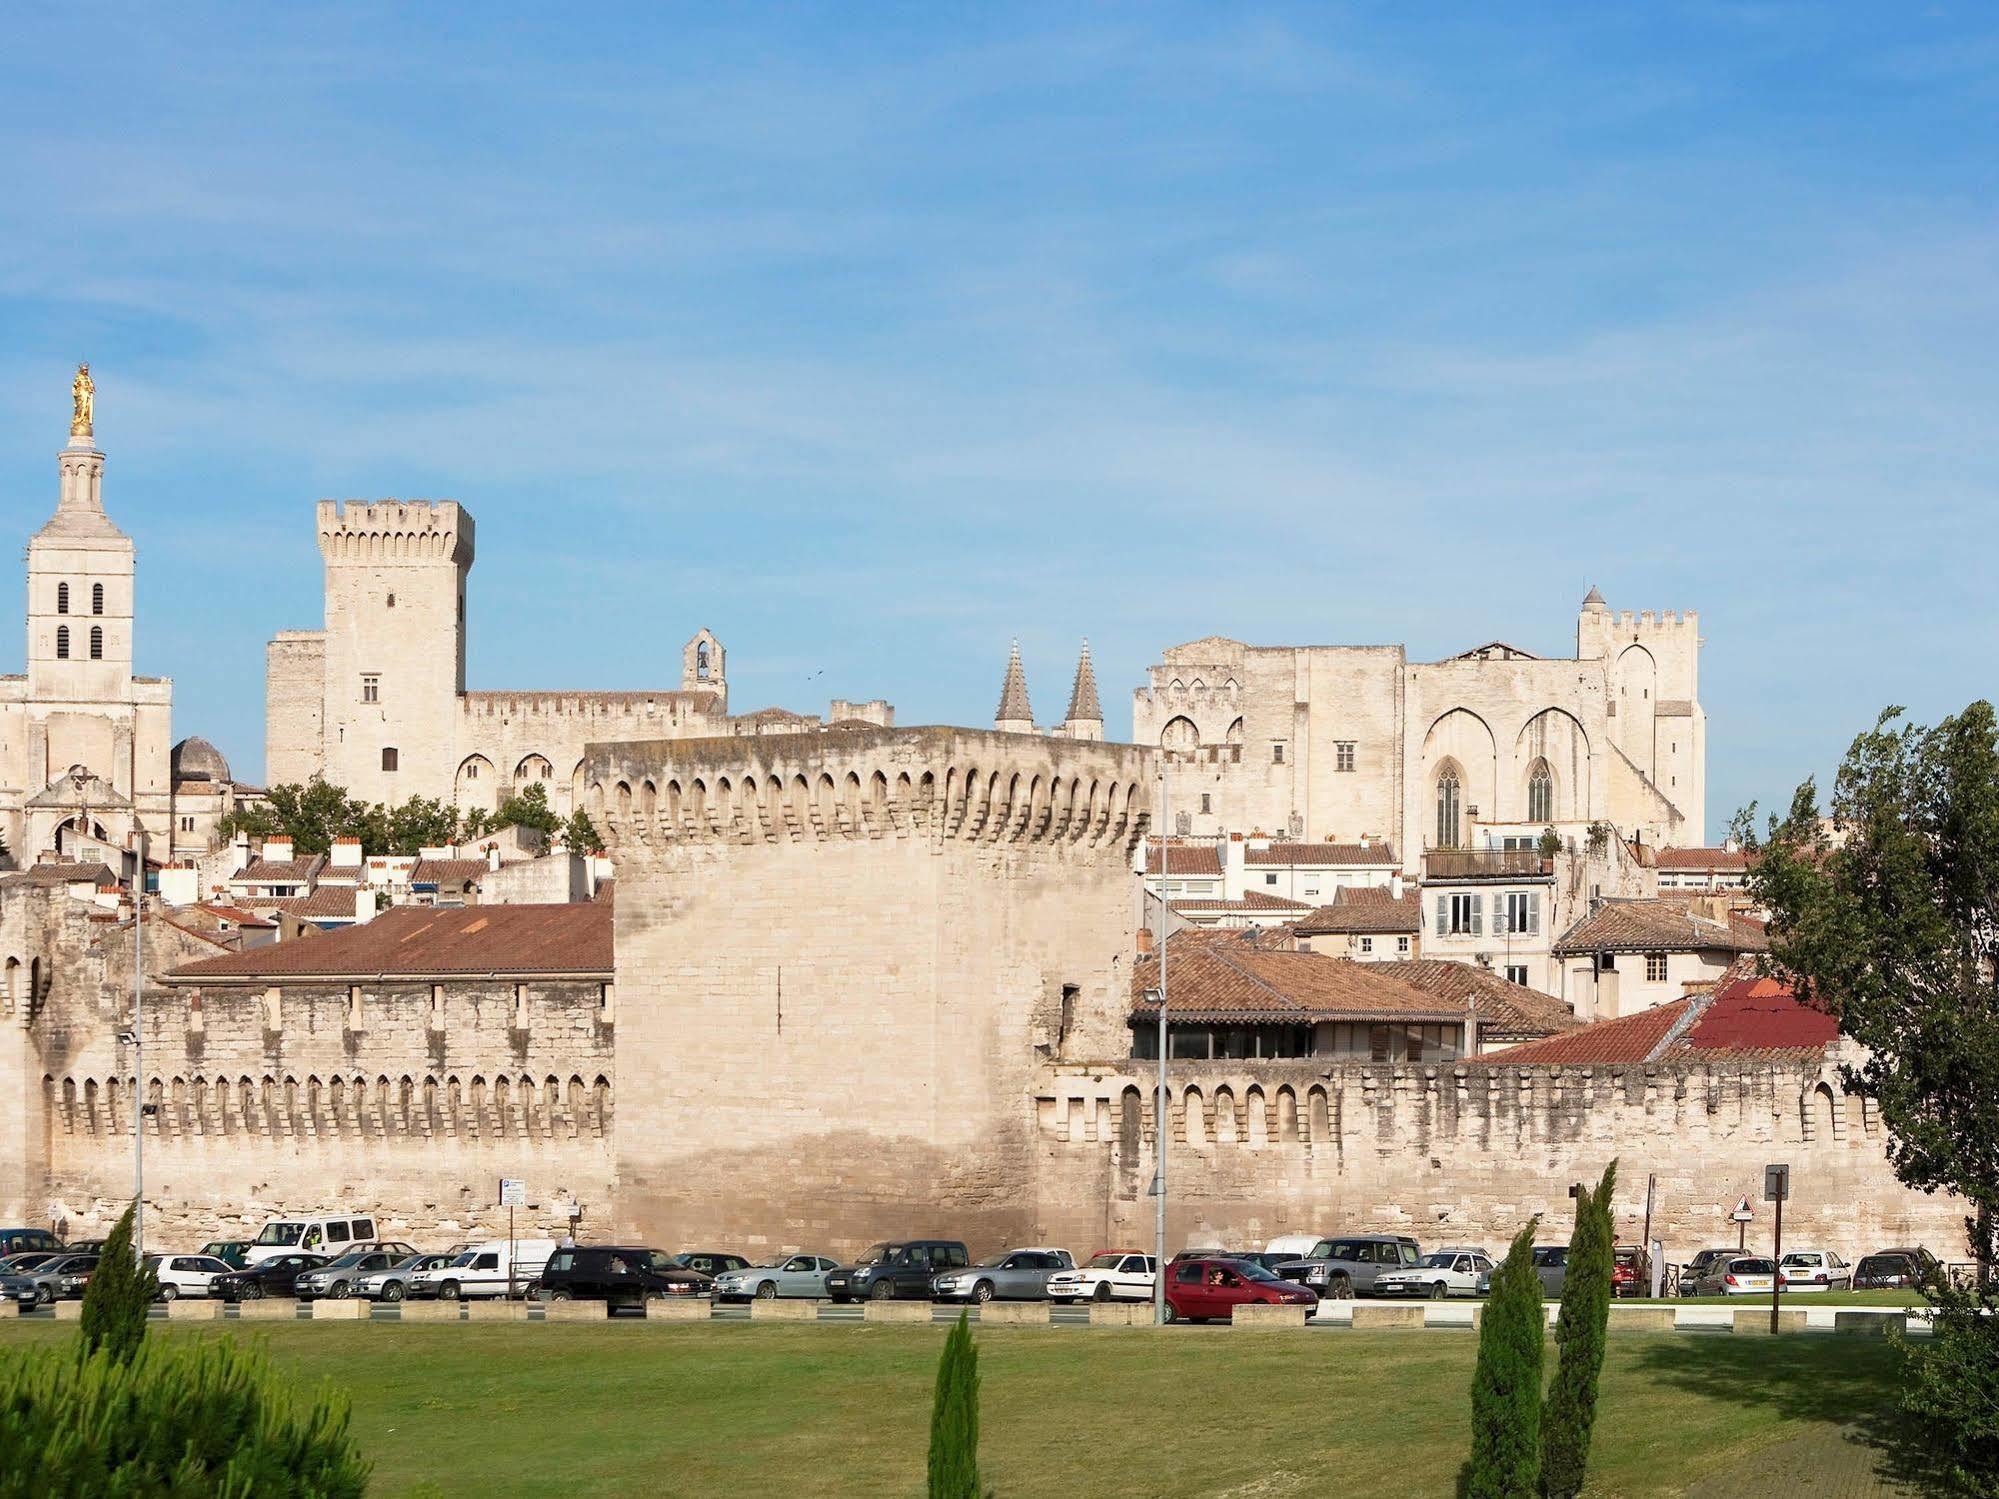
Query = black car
x=15 y=1241
x=234 y=1252
x=618 y=1275
x=26 y=1260
x=276 y=1276
x=904 y=1268
x=1891 y=1270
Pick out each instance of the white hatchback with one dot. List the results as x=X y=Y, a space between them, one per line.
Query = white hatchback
x=1815 y=1270
x=1463 y=1272
x=185 y=1274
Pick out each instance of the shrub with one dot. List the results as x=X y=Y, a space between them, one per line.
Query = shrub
x=1569 y=1417
x=1506 y=1387
x=114 y=1303
x=1952 y=1389
x=954 y=1419
x=190 y=1418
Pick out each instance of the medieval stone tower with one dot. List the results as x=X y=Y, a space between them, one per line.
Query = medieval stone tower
x=887 y=932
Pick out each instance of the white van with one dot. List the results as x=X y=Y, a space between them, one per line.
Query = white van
x=482 y=1270
x=1295 y=1246
x=328 y=1234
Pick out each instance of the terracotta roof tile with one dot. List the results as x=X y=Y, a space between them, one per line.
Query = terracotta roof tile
x=1210 y=978
x=1505 y=1010
x=64 y=874
x=1703 y=858
x=279 y=871
x=327 y=903
x=1366 y=910
x=452 y=872
x=1186 y=858
x=1323 y=855
x=427 y=941
x=1252 y=900
x=1748 y=1020
x=1662 y=924
x=1627 y=1040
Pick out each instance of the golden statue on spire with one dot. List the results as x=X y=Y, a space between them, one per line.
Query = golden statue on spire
x=83 y=392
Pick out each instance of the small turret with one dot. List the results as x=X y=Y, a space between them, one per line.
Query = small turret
x=1085 y=719
x=1014 y=715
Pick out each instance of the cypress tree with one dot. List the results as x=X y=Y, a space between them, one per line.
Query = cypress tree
x=1580 y=1329
x=115 y=1301
x=954 y=1419
x=1506 y=1388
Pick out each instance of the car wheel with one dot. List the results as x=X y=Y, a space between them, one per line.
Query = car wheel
x=168 y=1293
x=766 y=1290
x=448 y=1291
x=1439 y=1291
x=559 y=1294
x=1103 y=1291
x=982 y=1292
x=1171 y=1315
x=44 y=1296
x=1341 y=1289
x=884 y=1290
x=252 y=1292
x=393 y=1291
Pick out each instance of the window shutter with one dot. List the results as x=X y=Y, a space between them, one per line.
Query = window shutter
x=1443 y=915
x=1534 y=912
x=1477 y=913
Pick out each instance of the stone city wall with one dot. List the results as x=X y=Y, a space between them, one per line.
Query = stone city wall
x=1468 y=1154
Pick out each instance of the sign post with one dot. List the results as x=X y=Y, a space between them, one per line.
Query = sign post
x=1742 y=1214
x=513 y=1194
x=1776 y=1187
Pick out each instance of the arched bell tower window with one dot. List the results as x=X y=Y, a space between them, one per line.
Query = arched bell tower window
x=96 y=598
x=1540 y=793
x=701 y=668
x=62 y=598
x=97 y=642
x=1450 y=801
x=62 y=642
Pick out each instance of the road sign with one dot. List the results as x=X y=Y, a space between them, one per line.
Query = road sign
x=1776 y=1183
x=513 y=1194
x=1743 y=1212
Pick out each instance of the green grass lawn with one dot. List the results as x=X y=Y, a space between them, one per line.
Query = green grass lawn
x=744 y=1411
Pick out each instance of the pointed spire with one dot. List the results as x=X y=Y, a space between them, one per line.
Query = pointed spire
x=1084 y=706
x=1013 y=707
x=1595 y=599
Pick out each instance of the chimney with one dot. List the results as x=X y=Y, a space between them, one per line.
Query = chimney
x=239 y=853
x=1395 y=885
x=364 y=904
x=278 y=850
x=346 y=853
x=492 y=856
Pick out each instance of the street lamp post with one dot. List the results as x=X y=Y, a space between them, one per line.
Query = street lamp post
x=1159 y=1102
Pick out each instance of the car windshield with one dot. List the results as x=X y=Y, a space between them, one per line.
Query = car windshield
x=994 y=1261
x=352 y=1257
x=465 y=1259
x=1751 y=1267
x=1253 y=1271
x=1436 y=1261
x=874 y=1254
x=1106 y=1261
x=652 y=1259
x=1800 y=1259
x=1884 y=1264
x=415 y=1262
x=281 y=1233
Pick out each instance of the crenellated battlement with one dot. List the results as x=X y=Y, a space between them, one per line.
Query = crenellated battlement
x=865 y=783
x=1664 y=619
x=395 y=531
x=670 y=705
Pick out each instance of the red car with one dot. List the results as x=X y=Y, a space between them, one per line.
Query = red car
x=1213 y=1286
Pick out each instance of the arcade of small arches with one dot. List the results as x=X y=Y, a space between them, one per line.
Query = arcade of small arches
x=971 y=803
x=426 y=1107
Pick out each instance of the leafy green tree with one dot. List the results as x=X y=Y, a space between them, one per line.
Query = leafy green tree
x=1506 y=1386
x=191 y=1418
x=579 y=834
x=1569 y=1417
x=420 y=822
x=1550 y=843
x=954 y=1419
x=528 y=809
x=312 y=816
x=114 y=1303
x=1887 y=917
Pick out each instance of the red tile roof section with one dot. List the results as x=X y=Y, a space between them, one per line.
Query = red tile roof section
x=1214 y=977
x=1703 y=858
x=1366 y=910
x=1607 y=1043
x=1186 y=858
x=426 y=941
x=1749 y=1020
x=1323 y=855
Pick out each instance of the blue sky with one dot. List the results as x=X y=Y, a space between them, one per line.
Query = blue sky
x=871 y=337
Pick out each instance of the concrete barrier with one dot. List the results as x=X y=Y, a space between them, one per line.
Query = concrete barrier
x=9 y=1309
x=184 y=1309
x=1014 y=1314
x=574 y=1311
x=1871 y=1324
x=428 y=1311
x=778 y=1309
x=1255 y=1315
x=896 y=1311
x=675 y=1309
x=1642 y=1318
x=1447 y=1314
x=340 y=1309
x=495 y=1309
x=1755 y=1320
x=1120 y=1314
x=268 y=1309
x=1374 y=1314
x=69 y=1311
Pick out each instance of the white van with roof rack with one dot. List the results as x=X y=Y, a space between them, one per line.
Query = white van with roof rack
x=329 y=1234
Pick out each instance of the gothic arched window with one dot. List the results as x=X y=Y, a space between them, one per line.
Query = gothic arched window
x=1540 y=793
x=97 y=642
x=1449 y=801
x=96 y=598
x=62 y=642
x=62 y=598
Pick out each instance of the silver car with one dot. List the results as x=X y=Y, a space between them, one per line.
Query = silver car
x=1011 y=1275
x=335 y=1279
x=794 y=1275
x=393 y=1283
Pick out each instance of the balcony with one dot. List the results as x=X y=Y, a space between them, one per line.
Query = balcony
x=1484 y=864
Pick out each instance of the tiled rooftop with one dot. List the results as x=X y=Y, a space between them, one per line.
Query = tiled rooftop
x=1661 y=924
x=425 y=941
